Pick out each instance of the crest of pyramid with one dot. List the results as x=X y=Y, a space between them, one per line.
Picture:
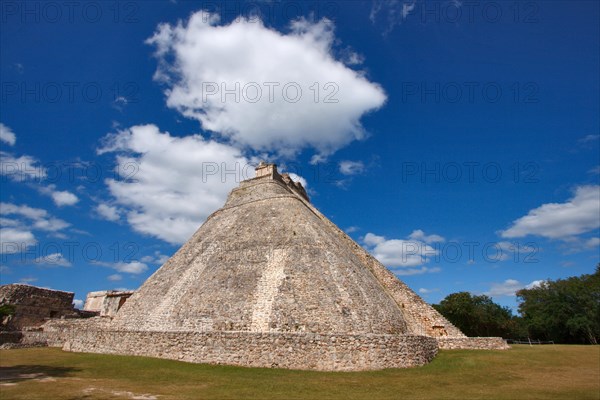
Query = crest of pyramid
x=268 y=280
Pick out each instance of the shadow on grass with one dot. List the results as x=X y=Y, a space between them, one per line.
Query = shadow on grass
x=19 y=373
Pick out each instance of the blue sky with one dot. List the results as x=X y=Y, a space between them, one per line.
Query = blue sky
x=457 y=141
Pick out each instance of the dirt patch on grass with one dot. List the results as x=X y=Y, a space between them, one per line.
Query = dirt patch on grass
x=118 y=394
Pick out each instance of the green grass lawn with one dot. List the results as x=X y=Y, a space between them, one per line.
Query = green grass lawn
x=524 y=372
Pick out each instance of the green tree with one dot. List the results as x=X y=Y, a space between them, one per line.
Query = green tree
x=565 y=310
x=479 y=316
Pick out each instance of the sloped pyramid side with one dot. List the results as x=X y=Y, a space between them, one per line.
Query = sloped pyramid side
x=421 y=318
x=270 y=261
x=265 y=262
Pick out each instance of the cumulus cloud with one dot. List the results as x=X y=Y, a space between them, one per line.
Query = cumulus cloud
x=16 y=232
x=108 y=212
x=13 y=240
x=60 y=197
x=510 y=286
x=7 y=135
x=348 y=167
x=536 y=284
x=256 y=86
x=21 y=168
x=54 y=259
x=405 y=254
x=78 y=303
x=133 y=267
x=421 y=236
x=169 y=185
x=115 y=277
x=580 y=214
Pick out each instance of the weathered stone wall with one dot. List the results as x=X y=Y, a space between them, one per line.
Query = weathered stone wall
x=34 y=305
x=106 y=302
x=473 y=343
x=329 y=352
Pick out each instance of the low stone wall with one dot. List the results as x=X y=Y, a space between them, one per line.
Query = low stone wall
x=255 y=349
x=473 y=343
x=10 y=337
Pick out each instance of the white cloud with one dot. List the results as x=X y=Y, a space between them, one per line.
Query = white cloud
x=199 y=58
x=535 y=284
x=403 y=253
x=115 y=277
x=14 y=240
x=133 y=267
x=348 y=167
x=16 y=235
x=78 y=303
x=156 y=258
x=54 y=259
x=170 y=184
x=60 y=198
x=21 y=168
x=25 y=211
x=428 y=291
x=510 y=286
x=110 y=213
x=352 y=58
x=7 y=135
x=298 y=178
x=580 y=214
x=351 y=229
x=418 y=234
x=64 y=198
x=506 y=288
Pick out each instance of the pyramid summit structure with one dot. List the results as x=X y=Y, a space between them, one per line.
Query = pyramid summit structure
x=269 y=281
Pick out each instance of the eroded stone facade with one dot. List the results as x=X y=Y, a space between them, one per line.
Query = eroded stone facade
x=35 y=305
x=106 y=302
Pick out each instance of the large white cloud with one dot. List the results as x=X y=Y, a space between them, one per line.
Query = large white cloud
x=404 y=253
x=579 y=214
x=170 y=184
x=199 y=58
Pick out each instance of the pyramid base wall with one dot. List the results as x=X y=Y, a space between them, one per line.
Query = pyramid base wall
x=472 y=343
x=330 y=352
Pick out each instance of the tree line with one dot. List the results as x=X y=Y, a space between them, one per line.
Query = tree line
x=563 y=311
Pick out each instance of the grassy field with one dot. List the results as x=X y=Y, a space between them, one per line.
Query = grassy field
x=524 y=372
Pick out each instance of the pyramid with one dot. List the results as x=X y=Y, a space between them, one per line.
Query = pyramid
x=269 y=281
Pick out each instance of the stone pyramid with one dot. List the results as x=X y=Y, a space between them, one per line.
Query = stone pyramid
x=269 y=281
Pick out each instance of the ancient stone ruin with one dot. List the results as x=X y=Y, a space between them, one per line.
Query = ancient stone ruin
x=106 y=302
x=32 y=307
x=269 y=281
